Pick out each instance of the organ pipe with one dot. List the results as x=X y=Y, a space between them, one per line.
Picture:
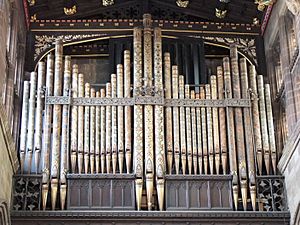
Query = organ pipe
x=199 y=139
x=168 y=117
x=24 y=123
x=138 y=116
x=270 y=126
x=182 y=128
x=230 y=131
x=128 y=122
x=65 y=133
x=55 y=158
x=204 y=133
x=80 y=123
x=74 y=119
x=256 y=118
x=47 y=132
x=209 y=130
x=108 y=130
x=97 y=134
x=176 y=121
x=263 y=122
x=92 y=133
x=31 y=120
x=103 y=133
x=87 y=93
x=39 y=115
x=148 y=110
x=114 y=125
x=194 y=135
x=215 y=122
x=188 y=131
x=120 y=94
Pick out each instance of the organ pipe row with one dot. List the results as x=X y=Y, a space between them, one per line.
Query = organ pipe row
x=184 y=138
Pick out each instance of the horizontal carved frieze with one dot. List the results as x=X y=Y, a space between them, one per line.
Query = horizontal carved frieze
x=148 y=100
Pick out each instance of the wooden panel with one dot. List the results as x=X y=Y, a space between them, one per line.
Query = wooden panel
x=106 y=192
x=191 y=192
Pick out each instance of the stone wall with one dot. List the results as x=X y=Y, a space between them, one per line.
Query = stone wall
x=284 y=18
x=12 y=50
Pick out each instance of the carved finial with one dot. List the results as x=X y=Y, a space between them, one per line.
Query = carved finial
x=147 y=20
x=221 y=13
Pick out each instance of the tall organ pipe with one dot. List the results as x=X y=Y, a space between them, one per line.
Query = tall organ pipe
x=55 y=158
x=215 y=122
x=238 y=116
x=103 y=133
x=256 y=118
x=97 y=135
x=65 y=133
x=138 y=116
x=39 y=114
x=108 y=130
x=198 y=152
x=80 y=123
x=159 y=121
x=263 y=122
x=182 y=126
x=194 y=134
x=24 y=123
x=210 y=142
x=92 y=133
x=230 y=131
x=87 y=92
x=31 y=119
x=120 y=94
x=47 y=132
x=188 y=131
x=248 y=133
x=222 y=120
x=74 y=120
x=270 y=126
x=176 y=122
x=204 y=133
x=114 y=125
x=148 y=110
x=168 y=116
x=128 y=122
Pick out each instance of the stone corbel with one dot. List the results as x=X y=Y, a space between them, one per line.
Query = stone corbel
x=293 y=6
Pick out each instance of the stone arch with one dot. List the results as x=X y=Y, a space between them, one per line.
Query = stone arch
x=4 y=213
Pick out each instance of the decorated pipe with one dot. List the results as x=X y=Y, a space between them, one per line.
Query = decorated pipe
x=176 y=121
x=168 y=111
x=97 y=134
x=160 y=165
x=182 y=126
x=204 y=134
x=114 y=125
x=92 y=133
x=47 y=132
x=39 y=115
x=80 y=124
x=222 y=120
x=103 y=133
x=231 y=131
x=128 y=122
x=87 y=93
x=108 y=130
x=120 y=94
x=138 y=139
x=65 y=133
x=215 y=122
x=210 y=143
x=148 y=111
x=188 y=131
x=74 y=119
x=194 y=135
x=56 y=144
x=248 y=133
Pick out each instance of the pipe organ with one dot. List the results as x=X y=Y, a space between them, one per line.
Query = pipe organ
x=159 y=129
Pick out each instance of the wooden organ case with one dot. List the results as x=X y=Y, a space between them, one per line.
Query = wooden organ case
x=153 y=142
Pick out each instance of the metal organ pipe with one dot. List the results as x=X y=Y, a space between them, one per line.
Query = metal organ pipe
x=39 y=115
x=55 y=158
x=74 y=119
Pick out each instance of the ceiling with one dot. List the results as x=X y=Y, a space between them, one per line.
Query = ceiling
x=237 y=11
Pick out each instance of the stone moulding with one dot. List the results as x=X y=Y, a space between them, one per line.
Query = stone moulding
x=144 y=217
